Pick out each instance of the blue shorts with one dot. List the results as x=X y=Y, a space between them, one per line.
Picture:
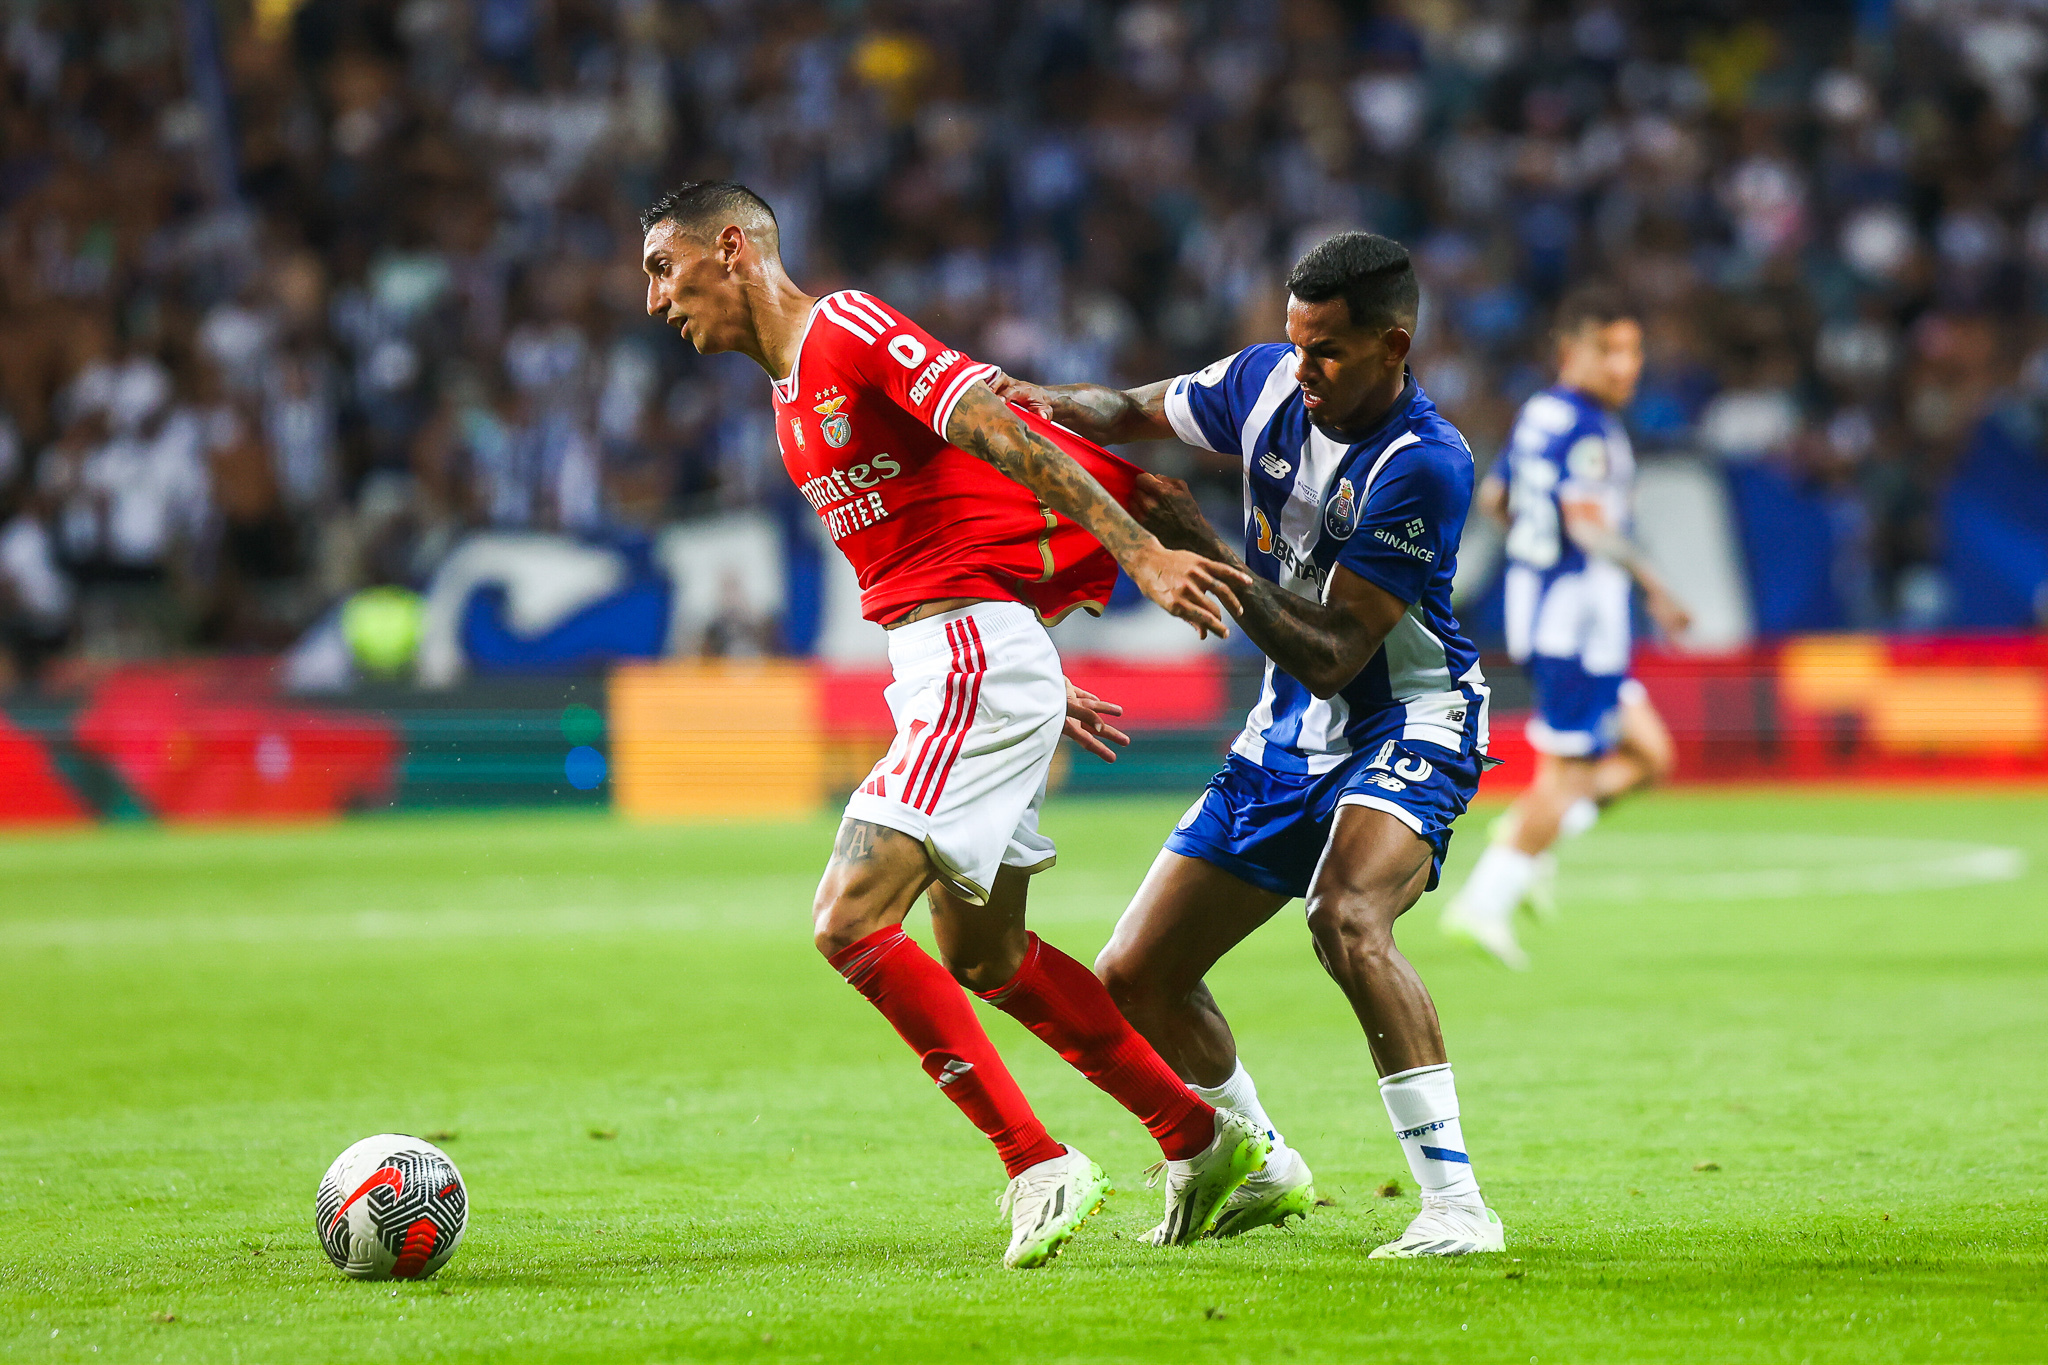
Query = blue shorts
x=1269 y=828
x=1578 y=714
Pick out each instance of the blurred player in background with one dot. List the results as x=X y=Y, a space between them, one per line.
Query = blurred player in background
x=944 y=497
x=1566 y=497
x=1370 y=730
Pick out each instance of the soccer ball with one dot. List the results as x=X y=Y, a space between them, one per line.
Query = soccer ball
x=391 y=1207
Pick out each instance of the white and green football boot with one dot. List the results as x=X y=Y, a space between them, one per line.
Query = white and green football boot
x=1284 y=1189
x=1047 y=1204
x=1495 y=938
x=1197 y=1188
x=1446 y=1229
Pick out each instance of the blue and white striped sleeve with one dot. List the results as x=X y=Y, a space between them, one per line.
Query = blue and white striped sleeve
x=1208 y=408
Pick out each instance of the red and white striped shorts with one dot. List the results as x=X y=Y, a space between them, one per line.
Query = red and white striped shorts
x=979 y=701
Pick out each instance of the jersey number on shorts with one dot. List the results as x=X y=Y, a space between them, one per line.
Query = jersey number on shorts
x=1408 y=767
x=876 y=784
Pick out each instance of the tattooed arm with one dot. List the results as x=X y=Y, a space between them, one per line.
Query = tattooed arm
x=1178 y=580
x=1104 y=415
x=1323 y=645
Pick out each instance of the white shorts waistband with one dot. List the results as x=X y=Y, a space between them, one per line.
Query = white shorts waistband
x=921 y=641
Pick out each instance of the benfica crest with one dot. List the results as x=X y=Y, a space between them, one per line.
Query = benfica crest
x=1340 y=513
x=836 y=427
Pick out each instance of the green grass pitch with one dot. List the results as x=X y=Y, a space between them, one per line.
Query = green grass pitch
x=686 y=1139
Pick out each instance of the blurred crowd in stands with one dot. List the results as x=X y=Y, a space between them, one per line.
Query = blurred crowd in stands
x=297 y=292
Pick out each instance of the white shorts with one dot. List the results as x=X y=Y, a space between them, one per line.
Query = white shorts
x=979 y=700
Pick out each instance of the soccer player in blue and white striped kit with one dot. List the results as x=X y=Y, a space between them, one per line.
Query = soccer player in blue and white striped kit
x=1566 y=495
x=1370 y=730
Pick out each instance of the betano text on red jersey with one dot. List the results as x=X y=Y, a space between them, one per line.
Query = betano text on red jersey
x=861 y=422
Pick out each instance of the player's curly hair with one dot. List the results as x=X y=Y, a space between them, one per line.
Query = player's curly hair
x=693 y=205
x=1371 y=273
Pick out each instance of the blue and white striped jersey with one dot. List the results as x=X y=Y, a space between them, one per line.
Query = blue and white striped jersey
x=1389 y=508
x=1561 y=603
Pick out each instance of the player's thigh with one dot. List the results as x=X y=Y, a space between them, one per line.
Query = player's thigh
x=1373 y=868
x=1564 y=777
x=873 y=878
x=1185 y=916
x=982 y=945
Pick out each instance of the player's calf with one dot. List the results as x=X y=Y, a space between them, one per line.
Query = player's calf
x=1067 y=1008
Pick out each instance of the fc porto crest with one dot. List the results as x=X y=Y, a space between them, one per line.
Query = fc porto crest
x=837 y=427
x=1340 y=513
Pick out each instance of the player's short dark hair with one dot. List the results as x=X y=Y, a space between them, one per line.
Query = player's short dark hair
x=1593 y=305
x=695 y=204
x=1371 y=273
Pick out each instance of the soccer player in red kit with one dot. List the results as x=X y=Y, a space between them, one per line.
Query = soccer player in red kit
x=970 y=523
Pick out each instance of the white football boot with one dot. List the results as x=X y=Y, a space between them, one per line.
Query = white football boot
x=1494 y=937
x=1047 y=1203
x=1197 y=1188
x=1446 y=1229
x=1284 y=1189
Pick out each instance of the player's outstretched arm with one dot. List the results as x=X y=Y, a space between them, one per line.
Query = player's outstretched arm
x=1178 y=580
x=1323 y=644
x=1586 y=524
x=1104 y=415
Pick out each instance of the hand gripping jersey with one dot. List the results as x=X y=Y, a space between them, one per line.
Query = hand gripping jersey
x=1389 y=507
x=1561 y=603
x=861 y=422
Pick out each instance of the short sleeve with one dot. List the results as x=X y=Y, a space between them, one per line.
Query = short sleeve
x=900 y=358
x=1586 y=465
x=1413 y=516
x=1210 y=407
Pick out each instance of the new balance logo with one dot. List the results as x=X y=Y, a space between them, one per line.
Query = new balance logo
x=1274 y=465
x=952 y=1071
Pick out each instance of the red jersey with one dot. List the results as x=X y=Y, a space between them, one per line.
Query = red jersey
x=861 y=420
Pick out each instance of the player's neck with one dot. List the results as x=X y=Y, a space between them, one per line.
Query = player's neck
x=1587 y=392
x=780 y=312
x=1373 y=409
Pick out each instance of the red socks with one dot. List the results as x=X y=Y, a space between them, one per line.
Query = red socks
x=926 y=1005
x=1056 y=998
x=1061 y=1001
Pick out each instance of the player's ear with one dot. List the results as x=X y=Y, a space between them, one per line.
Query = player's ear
x=731 y=242
x=1398 y=339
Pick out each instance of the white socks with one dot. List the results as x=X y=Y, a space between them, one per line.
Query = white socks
x=1580 y=816
x=1240 y=1094
x=1498 y=882
x=1423 y=1104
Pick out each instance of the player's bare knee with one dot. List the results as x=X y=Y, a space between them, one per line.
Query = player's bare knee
x=1350 y=930
x=1134 y=993
x=986 y=970
x=838 y=922
x=830 y=937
